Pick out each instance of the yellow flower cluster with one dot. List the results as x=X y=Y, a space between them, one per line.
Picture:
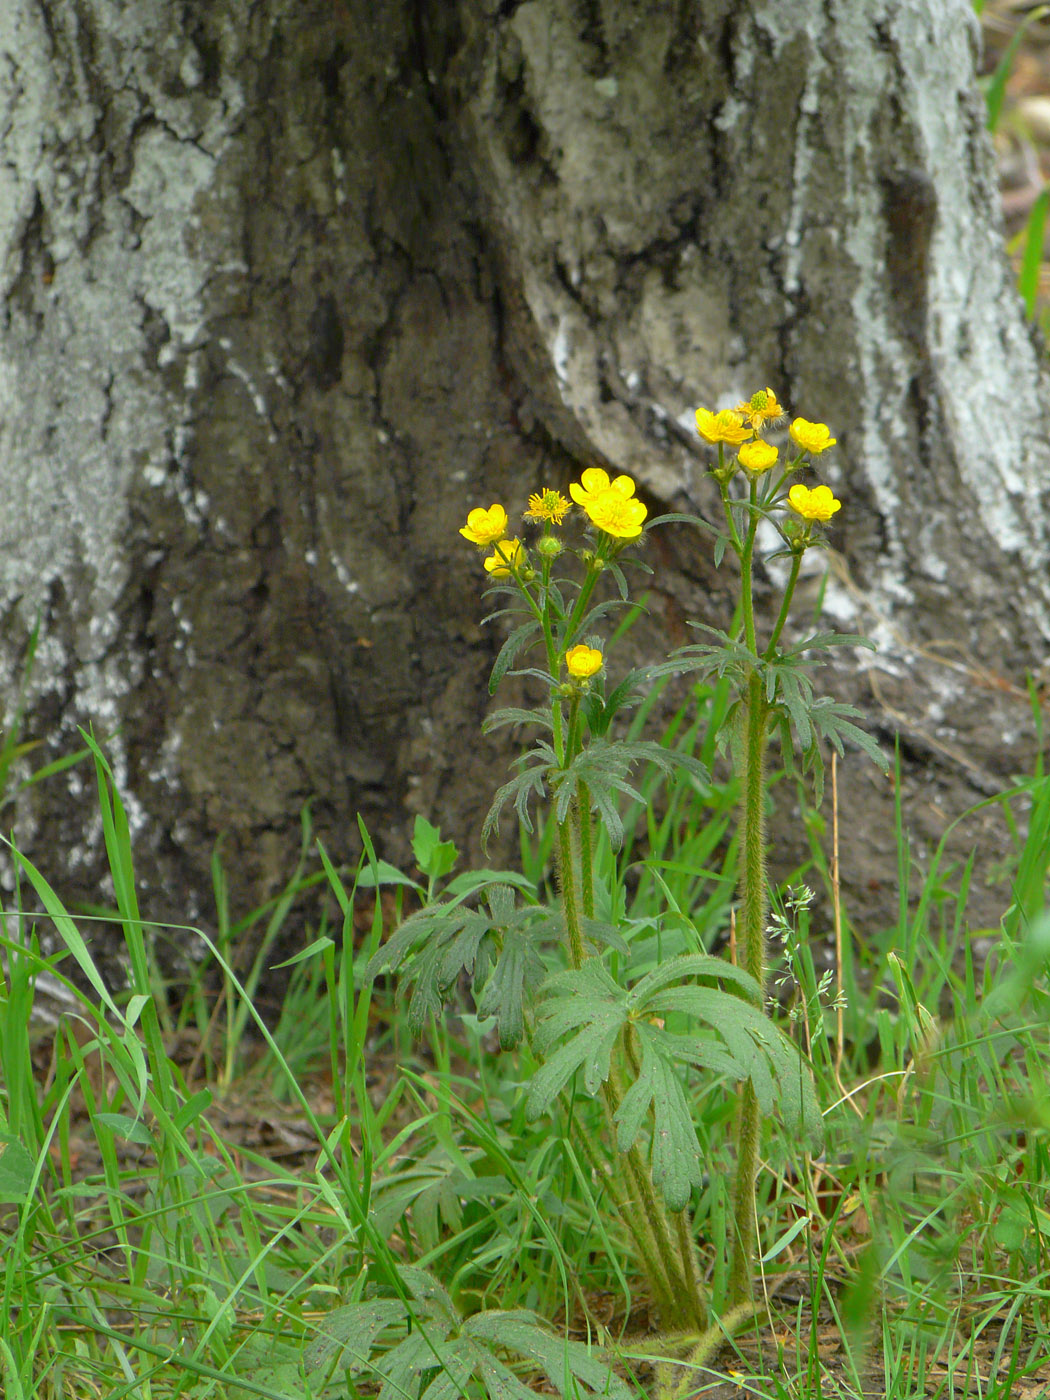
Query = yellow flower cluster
x=741 y=427
x=610 y=505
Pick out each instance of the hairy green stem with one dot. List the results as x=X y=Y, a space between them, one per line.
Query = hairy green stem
x=752 y=944
x=672 y=1239
x=583 y=817
x=637 y=1223
x=785 y=605
x=570 y=893
x=690 y=1262
x=746 y=556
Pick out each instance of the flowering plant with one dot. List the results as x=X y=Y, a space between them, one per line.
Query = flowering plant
x=560 y=978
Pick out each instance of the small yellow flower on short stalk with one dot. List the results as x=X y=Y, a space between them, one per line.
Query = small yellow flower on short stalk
x=811 y=437
x=583 y=662
x=762 y=410
x=508 y=556
x=724 y=426
x=485 y=526
x=818 y=504
x=594 y=482
x=616 y=515
x=548 y=505
x=757 y=456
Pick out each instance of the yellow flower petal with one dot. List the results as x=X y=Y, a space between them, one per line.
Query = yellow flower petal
x=757 y=456
x=818 y=504
x=724 y=426
x=617 y=515
x=811 y=437
x=485 y=526
x=583 y=662
x=595 y=482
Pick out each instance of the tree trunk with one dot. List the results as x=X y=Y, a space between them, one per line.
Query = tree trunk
x=289 y=286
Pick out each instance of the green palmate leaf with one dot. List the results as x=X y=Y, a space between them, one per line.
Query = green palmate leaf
x=439 y=922
x=700 y=965
x=831 y=720
x=497 y=947
x=437 y=1355
x=779 y=1074
x=510 y=650
x=591 y=1007
x=432 y=1190
x=603 y=767
x=560 y=1359
x=675 y=1153
x=536 y=765
x=823 y=641
x=417 y=1362
x=518 y=969
x=514 y=715
x=586 y=1010
x=346 y=1336
x=440 y=1204
x=796 y=696
x=723 y=656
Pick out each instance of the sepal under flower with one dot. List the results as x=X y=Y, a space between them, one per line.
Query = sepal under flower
x=508 y=556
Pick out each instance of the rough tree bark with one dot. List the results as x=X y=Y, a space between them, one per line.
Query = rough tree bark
x=288 y=285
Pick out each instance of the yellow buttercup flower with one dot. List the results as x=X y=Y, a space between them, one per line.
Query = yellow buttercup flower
x=724 y=426
x=583 y=662
x=548 y=505
x=508 y=555
x=811 y=437
x=617 y=515
x=818 y=504
x=594 y=482
x=485 y=526
x=757 y=456
x=761 y=409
